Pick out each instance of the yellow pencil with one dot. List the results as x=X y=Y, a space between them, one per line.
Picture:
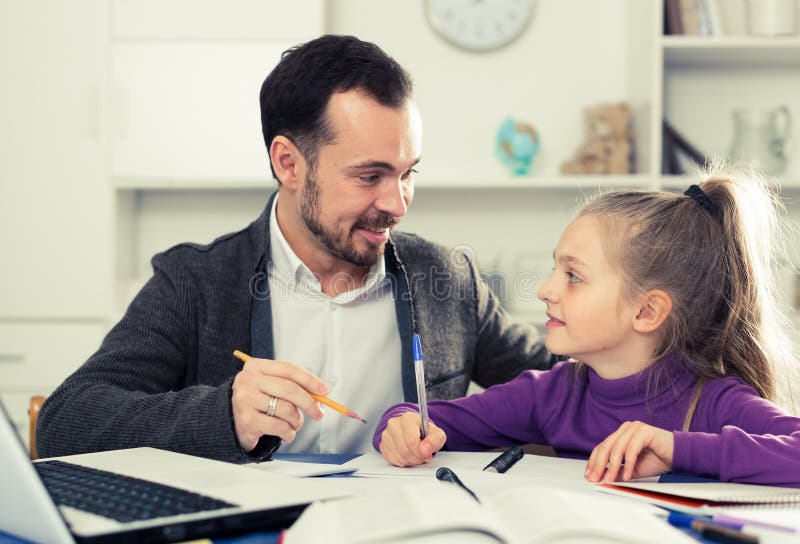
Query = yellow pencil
x=342 y=409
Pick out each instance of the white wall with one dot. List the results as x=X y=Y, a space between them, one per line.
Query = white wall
x=572 y=54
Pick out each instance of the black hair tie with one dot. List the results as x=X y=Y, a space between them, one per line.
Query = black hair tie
x=701 y=198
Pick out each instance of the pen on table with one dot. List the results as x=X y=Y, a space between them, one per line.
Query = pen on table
x=767 y=533
x=419 y=373
x=711 y=530
x=341 y=408
x=444 y=474
x=750 y=524
x=505 y=460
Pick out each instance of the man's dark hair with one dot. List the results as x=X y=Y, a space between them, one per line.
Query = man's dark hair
x=295 y=94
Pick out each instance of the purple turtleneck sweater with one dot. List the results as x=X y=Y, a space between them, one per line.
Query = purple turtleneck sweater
x=735 y=435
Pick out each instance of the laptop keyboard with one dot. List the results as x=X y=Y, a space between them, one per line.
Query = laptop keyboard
x=117 y=496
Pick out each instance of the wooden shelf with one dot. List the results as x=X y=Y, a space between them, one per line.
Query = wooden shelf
x=730 y=52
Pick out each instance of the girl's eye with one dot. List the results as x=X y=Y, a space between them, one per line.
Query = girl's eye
x=573 y=278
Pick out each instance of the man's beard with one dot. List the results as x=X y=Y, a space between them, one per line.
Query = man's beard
x=341 y=245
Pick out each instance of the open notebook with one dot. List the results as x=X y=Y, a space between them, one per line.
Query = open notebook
x=440 y=512
x=699 y=497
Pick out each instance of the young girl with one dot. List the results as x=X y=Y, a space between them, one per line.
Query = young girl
x=664 y=304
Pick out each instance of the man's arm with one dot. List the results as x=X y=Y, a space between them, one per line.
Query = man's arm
x=133 y=391
x=504 y=348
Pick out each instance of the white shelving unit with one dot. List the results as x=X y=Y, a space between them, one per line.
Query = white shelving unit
x=730 y=52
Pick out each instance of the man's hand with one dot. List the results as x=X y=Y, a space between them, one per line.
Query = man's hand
x=644 y=449
x=401 y=444
x=254 y=387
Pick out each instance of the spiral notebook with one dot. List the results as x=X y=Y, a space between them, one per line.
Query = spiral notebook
x=699 y=497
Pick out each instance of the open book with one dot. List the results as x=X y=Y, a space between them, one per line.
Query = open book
x=699 y=497
x=433 y=511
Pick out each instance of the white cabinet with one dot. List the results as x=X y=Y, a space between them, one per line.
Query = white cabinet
x=190 y=110
x=33 y=355
x=55 y=200
x=185 y=83
x=35 y=358
x=236 y=20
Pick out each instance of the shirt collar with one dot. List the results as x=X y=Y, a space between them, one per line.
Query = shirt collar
x=288 y=265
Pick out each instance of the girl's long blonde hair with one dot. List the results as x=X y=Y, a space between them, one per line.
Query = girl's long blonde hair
x=717 y=262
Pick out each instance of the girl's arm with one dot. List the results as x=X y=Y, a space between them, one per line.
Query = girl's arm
x=502 y=415
x=747 y=439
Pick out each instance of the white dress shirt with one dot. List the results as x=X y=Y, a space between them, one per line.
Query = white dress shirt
x=350 y=341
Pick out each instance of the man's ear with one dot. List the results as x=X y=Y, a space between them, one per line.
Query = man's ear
x=654 y=308
x=287 y=161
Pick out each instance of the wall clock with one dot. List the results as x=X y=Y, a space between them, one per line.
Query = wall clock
x=479 y=25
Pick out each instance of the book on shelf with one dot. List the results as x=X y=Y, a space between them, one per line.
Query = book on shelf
x=713 y=10
x=705 y=497
x=674 y=146
x=433 y=511
x=692 y=17
x=672 y=17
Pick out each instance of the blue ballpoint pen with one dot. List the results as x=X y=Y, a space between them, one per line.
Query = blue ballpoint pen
x=419 y=372
x=712 y=530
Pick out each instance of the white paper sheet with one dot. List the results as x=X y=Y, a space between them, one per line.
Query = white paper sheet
x=301 y=470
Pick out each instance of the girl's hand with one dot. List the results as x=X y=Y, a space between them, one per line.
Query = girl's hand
x=645 y=450
x=401 y=444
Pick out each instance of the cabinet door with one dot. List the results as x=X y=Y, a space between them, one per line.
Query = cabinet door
x=185 y=83
x=295 y=21
x=189 y=110
x=35 y=358
x=55 y=201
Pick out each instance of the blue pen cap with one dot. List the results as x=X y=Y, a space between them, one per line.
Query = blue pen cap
x=679 y=519
x=417 y=348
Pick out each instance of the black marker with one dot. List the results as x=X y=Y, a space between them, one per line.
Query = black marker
x=446 y=475
x=505 y=461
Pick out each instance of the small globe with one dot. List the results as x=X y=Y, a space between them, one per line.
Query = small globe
x=517 y=145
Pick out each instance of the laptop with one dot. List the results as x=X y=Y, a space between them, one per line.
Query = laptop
x=142 y=495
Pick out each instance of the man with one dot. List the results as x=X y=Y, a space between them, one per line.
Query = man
x=319 y=290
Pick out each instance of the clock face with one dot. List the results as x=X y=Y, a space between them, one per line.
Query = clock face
x=479 y=25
